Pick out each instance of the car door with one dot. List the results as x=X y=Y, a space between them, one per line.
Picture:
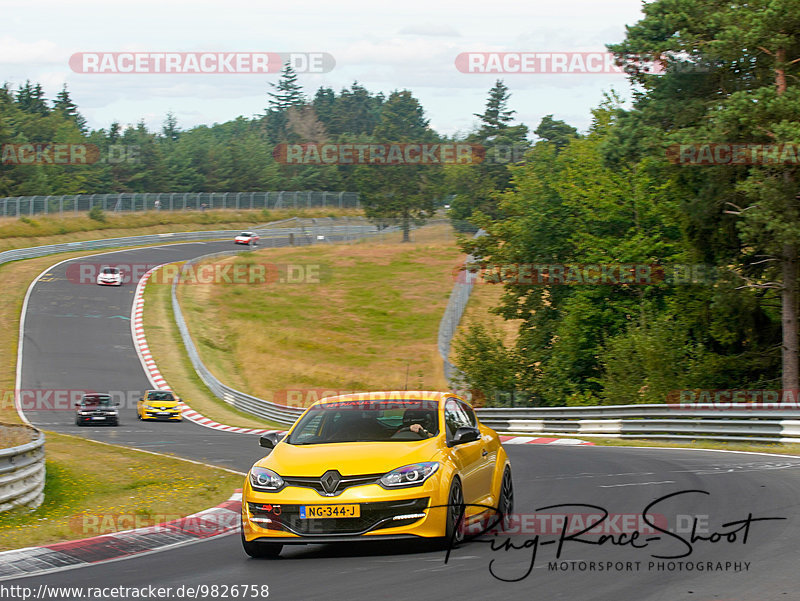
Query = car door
x=466 y=456
x=485 y=471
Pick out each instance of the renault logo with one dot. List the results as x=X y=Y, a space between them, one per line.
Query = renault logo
x=330 y=481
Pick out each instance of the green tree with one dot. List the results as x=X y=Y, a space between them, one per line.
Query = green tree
x=751 y=53
x=404 y=192
x=504 y=145
x=64 y=105
x=555 y=131
x=30 y=98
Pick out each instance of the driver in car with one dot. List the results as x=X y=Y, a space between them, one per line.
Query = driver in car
x=420 y=422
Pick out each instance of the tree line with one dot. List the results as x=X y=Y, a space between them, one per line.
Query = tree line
x=620 y=195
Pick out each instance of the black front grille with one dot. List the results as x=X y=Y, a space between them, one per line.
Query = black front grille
x=344 y=483
x=374 y=516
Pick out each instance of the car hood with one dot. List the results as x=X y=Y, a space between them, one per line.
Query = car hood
x=165 y=404
x=349 y=458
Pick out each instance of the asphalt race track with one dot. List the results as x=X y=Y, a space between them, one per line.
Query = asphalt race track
x=77 y=336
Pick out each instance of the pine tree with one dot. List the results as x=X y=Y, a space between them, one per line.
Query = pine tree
x=288 y=92
x=170 y=129
x=497 y=116
x=30 y=98
x=69 y=109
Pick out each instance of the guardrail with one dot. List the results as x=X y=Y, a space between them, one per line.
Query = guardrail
x=22 y=471
x=736 y=421
x=262 y=408
x=456 y=305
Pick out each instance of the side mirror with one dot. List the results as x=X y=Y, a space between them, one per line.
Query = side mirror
x=77 y=404
x=466 y=434
x=270 y=440
x=116 y=403
x=141 y=398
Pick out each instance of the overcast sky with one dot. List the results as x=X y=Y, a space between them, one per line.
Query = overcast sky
x=384 y=46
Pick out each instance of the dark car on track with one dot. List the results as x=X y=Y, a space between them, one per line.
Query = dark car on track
x=96 y=409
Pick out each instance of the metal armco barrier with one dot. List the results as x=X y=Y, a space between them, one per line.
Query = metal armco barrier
x=735 y=421
x=22 y=471
x=456 y=305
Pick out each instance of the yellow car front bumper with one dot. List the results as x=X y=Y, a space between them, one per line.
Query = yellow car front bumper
x=402 y=513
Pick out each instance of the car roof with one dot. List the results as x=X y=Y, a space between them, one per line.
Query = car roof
x=407 y=395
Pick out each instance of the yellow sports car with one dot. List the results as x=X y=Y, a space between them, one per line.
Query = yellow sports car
x=160 y=405
x=376 y=466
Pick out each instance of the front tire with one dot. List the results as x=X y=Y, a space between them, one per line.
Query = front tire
x=259 y=550
x=454 y=528
x=505 y=503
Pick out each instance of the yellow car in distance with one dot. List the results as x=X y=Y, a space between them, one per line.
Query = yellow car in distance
x=159 y=405
x=376 y=466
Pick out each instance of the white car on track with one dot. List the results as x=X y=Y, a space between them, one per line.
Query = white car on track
x=250 y=238
x=109 y=276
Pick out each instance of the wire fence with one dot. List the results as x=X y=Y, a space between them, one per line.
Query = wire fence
x=26 y=206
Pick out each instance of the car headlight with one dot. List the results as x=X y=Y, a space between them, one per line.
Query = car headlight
x=409 y=475
x=263 y=479
x=150 y=407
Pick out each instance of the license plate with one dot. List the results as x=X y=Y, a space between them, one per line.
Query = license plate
x=330 y=511
x=164 y=413
x=98 y=417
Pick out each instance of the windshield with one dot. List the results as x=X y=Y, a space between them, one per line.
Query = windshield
x=101 y=400
x=160 y=396
x=111 y=270
x=367 y=421
x=245 y=234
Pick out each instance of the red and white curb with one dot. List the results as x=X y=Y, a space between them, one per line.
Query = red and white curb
x=533 y=440
x=209 y=523
x=154 y=375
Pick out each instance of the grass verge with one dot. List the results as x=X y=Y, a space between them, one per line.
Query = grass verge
x=116 y=490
